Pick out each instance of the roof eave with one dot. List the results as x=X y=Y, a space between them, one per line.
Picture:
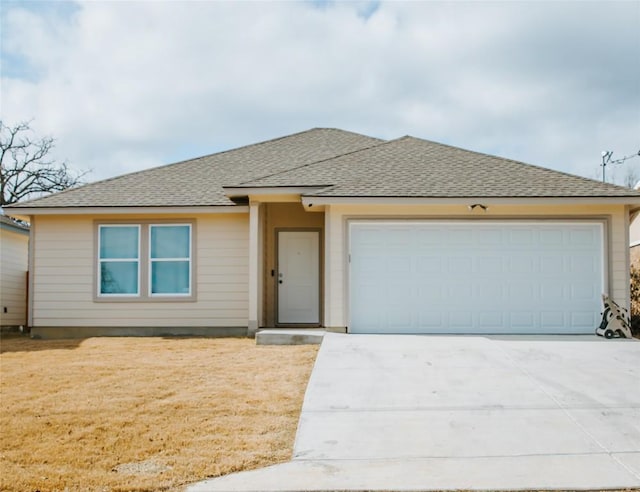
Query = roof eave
x=17 y=228
x=246 y=191
x=309 y=199
x=209 y=209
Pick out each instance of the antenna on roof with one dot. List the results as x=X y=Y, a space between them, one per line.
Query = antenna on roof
x=606 y=159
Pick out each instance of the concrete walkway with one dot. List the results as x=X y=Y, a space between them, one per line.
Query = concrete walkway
x=386 y=412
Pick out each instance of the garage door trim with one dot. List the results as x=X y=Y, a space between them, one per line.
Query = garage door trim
x=600 y=243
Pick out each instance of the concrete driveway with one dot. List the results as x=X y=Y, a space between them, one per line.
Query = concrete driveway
x=387 y=412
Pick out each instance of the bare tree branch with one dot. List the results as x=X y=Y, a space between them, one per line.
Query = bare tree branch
x=25 y=171
x=632 y=177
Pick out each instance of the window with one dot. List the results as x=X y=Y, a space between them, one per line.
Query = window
x=144 y=261
x=119 y=268
x=170 y=258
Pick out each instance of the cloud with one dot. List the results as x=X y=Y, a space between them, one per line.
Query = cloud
x=127 y=85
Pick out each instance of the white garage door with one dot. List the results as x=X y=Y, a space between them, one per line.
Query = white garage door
x=475 y=277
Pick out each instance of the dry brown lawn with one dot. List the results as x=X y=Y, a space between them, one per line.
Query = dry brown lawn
x=144 y=413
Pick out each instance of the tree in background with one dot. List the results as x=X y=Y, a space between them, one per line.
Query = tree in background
x=632 y=177
x=26 y=170
x=634 y=312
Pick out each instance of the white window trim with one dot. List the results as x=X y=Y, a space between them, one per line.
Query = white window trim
x=187 y=260
x=118 y=260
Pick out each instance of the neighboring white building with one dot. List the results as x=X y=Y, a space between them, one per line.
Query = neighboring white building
x=14 y=263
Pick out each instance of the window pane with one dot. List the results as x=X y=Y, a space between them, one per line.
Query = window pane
x=170 y=242
x=170 y=277
x=119 y=277
x=119 y=242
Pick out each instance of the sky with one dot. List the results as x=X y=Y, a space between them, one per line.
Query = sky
x=124 y=85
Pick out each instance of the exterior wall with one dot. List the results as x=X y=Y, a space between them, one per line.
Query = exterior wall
x=336 y=238
x=634 y=231
x=280 y=216
x=64 y=280
x=63 y=266
x=14 y=263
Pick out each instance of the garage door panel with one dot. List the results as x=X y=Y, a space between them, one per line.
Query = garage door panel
x=400 y=237
x=522 y=293
x=459 y=292
x=428 y=265
x=460 y=319
x=431 y=319
x=582 y=292
x=400 y=323
x=520 y=237
x=489 y=293
x=427 y=238
x=520 y=263
x=460 y=265
x=435 y=277
x=550 y=265
x=488 y=265
x=369 y=236
x=370 y=316
x=432 y=293
x=486 y=238
x=550 y=293
x=398 y=268
x=493 y=320
x=580 y=319
x=582 y=264
x=548 y=237
x=400 y=298
x=582 y=237
x=526 y=320
x=456 y=237
x=370 y=273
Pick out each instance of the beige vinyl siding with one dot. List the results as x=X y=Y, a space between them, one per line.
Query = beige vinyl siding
x=64 y=276
x=337 y=216
x=619 y=274
x=335 y=269
x=14 y=254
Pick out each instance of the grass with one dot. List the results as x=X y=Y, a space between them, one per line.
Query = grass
x=144 y=413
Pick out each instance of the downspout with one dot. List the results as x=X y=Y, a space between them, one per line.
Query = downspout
x=31 y=260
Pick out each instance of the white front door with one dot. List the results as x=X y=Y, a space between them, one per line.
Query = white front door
x=298 y=277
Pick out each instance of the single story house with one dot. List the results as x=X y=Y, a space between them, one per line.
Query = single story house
x=14 y=262
x=328 y=228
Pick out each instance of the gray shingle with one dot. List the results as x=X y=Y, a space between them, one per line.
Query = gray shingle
x=199 y=182
x=344 y=163
x=412 y=167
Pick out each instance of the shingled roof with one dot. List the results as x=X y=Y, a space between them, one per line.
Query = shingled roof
x=412 y=167
x=199 y=182
x=341 y=164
